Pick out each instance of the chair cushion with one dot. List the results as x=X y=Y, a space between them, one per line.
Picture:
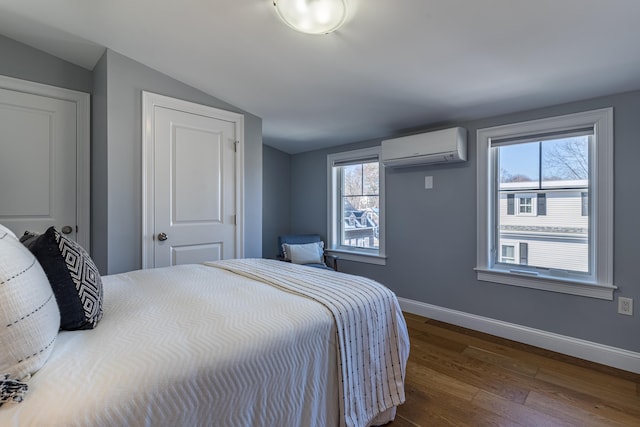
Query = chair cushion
x=323 y=266
x=73 y=276
x=309 y=253
x=29 y=317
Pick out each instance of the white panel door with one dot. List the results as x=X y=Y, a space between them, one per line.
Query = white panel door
x=194 y=187
x=38 y=145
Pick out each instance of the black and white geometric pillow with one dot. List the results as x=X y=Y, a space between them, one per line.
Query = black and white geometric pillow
x=73 y=276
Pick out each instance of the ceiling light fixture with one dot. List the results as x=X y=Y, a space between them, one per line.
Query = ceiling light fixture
x=312 y=16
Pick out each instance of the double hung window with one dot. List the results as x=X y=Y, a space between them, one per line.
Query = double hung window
x=508 y=253
x=545 y=204
x=356 y=205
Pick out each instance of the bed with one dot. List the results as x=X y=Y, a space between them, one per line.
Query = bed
x=231 y=343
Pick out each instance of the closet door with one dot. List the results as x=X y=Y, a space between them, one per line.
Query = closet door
x=38 y=149
x=193 y=179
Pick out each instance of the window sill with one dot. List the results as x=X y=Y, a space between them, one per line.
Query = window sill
x=547 y=284
x=359 y=256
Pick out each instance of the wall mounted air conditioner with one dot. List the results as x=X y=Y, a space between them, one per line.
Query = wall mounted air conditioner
x=442 y=146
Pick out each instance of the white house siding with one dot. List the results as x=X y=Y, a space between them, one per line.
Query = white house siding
x=564 y=255
x=564 y=209
x=556 y=240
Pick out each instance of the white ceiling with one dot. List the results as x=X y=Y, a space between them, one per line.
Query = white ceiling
x=395 y=65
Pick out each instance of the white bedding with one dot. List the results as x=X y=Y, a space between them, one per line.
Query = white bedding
x=372 y=350
x=190 y=346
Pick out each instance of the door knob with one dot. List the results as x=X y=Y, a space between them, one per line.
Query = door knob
x=162 y=237
x=66 y=229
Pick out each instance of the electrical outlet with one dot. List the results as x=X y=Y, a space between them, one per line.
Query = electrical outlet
x=625 y=306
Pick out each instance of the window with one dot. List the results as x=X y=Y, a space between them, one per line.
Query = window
x=525 y=204
x=545 y=201
x=508 y=254
x=528 y=204
x=356 y=205
x=524 y=253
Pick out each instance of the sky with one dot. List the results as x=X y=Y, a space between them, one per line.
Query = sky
x=523 y=159
x=520 y=159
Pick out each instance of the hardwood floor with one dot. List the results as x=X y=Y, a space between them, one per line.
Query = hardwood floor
x=459 y=377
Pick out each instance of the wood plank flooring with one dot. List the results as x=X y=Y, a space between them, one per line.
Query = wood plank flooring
x=459 y=377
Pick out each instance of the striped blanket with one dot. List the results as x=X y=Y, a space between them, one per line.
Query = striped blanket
x=373 y=345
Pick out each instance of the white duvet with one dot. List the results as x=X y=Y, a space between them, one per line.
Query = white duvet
x=190 y=346
x=372 y=346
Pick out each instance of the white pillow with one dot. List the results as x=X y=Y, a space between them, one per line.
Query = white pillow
x=29 y=316
x=308 y=253
x=5 y=230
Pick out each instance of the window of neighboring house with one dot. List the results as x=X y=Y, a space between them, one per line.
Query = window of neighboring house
x=524 y=253
x=508 y=254
x=526 y=204
x=356 y=205
x=549 y=182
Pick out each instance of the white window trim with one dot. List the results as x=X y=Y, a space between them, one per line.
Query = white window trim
x=601 y=284
x=333 y=246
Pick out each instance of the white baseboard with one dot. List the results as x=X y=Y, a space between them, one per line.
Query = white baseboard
x=594 y=352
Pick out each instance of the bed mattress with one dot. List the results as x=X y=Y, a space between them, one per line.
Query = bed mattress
x=191 y=345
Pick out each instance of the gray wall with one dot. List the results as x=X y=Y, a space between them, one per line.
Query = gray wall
x=276 y=193
x=24 y=62
x=99 y=167
x=125 y=80
x=431 y=234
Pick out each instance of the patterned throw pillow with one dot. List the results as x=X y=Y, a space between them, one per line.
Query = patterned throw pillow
x=29 y=317
x=73 y=276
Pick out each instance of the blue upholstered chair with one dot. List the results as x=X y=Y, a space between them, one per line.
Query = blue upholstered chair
x=301 y=243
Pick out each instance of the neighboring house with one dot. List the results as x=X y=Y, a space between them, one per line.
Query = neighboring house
x=360 y=227
x=546 y=228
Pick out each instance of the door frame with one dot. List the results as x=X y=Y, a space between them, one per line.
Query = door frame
x=151 y=100
x=83 y=154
